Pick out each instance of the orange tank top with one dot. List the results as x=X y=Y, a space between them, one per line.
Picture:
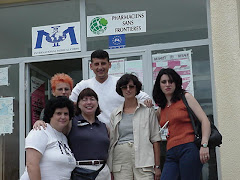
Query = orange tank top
x=179 y=127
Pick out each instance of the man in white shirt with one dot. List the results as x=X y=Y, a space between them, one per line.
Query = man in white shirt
x=105 y=86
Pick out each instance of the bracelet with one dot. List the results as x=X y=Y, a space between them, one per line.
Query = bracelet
x=158 y=167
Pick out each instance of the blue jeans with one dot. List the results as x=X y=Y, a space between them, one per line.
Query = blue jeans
x=182 y=163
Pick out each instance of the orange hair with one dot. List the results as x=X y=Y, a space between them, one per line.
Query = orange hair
x=61 y=78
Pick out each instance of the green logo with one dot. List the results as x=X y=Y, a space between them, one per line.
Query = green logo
x=98 y=25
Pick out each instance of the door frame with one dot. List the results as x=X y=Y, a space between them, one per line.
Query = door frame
x=144 y=51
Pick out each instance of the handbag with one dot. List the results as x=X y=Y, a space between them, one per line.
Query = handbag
x=85 y=174
x=215 y=138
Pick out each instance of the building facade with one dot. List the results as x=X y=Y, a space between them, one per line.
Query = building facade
x=203 y=35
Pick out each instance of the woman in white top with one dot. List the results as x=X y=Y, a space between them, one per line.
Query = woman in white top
x=48 y=155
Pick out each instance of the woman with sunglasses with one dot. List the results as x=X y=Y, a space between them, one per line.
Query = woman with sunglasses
x=134 y=136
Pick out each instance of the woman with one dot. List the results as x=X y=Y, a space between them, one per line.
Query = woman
x=52 y=158
x=134 y=146
x=61 y=85
x=88 y=137
x=183 y=159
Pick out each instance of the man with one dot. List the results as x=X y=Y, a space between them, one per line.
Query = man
x=105 y=86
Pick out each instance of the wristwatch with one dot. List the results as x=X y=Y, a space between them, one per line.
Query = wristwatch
x=157 y=167
x=204 y=145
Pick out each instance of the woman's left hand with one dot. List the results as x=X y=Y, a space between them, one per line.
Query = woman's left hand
x=204 y=155
x=157 y=173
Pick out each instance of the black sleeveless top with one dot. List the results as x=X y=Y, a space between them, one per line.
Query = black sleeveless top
x=88 y=141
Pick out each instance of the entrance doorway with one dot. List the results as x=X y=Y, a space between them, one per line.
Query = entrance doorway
x=39 y=89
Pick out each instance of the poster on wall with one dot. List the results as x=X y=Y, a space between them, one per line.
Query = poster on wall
x=117 y=67
x=58 y=38
x=6 y=115
x=113 y=24
x=181 y=62
x=122 y=66
x=37 y=98
x=4 y=76
x=135 y=67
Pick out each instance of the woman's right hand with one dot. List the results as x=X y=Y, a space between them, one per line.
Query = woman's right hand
x=37 y=125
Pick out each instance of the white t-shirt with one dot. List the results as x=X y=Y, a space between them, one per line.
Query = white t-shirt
x=57 y=160
x=109 y=99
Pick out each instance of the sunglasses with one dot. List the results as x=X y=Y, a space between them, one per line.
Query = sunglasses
x=128 y=86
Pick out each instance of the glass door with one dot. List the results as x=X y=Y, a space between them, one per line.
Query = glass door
x=39 y=89
x=9 y=122
x=38 y=92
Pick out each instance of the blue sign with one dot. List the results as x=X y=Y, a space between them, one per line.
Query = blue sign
x=117 y=41
x=58 y=38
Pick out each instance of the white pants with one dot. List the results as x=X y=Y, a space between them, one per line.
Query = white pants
x=104 y=174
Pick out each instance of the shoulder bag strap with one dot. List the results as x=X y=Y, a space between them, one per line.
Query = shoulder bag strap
x=190 y=113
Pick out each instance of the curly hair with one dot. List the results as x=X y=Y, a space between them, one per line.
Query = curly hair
x=158 y=96
x=100 y=54
x=55 y=103
x=61 y=78
x=87 y=92
x=124 y=80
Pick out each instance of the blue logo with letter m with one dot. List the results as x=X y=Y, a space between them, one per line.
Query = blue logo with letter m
x=55 y=37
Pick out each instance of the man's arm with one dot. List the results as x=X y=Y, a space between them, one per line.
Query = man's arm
x=145 y=98
x=76 y=90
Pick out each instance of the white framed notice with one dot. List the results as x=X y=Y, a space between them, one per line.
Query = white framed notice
x=58 y=38
x=4 y=76
x=6 y=115
x=113 y=24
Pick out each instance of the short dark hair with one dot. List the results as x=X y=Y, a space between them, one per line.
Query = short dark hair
x=125 y=79
x=158 y=96
x=100 y=54
x=87 y=92
x=55 y=103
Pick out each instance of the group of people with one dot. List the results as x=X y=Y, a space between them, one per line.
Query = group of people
x=106 y=127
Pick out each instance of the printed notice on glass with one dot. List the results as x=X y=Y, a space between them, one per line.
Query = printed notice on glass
x=181 y=62
x=6 y=115
x=135 y=67
x=37 y=98
x=117 y=67
x=4 y=76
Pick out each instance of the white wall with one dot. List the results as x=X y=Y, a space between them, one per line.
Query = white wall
x=226 y=63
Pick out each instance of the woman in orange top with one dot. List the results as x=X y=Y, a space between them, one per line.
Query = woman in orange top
x=183 y=159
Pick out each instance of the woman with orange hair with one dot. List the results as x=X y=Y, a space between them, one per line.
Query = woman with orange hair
x=62 y=85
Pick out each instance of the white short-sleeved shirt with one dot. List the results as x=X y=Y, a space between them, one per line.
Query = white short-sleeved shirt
x=57 y=160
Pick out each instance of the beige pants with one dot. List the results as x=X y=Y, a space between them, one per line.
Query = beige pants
x=124 y=164
x=104 y=174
